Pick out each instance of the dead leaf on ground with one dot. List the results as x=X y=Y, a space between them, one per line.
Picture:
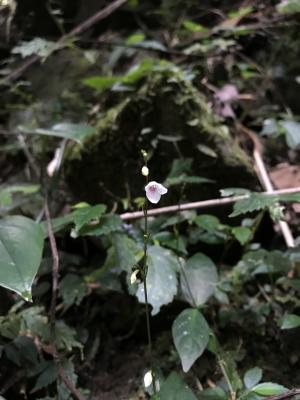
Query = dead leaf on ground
x=285 y=176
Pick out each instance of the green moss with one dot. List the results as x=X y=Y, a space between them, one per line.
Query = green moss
x=165 y=105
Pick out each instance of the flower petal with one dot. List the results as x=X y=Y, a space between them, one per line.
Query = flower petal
x=162 y=189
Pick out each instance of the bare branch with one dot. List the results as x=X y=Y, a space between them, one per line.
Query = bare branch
x=199 y=204
x=55 y=274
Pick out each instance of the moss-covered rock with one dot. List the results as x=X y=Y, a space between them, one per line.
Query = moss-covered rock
x=170 y=118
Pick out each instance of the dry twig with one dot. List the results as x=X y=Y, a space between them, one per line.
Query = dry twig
x=286 y=395
x=265 y=180
x=55 y=274
x=199 y=204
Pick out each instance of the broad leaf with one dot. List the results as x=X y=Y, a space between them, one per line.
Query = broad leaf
x=198 y=279
x=108 y=223
x=207 y=222
x=76 y=132
x=161 y=278
x=252 y=377
x=242 y=234
x=213 y=394
x=127 y=251
x=190 y=334
x=174 y=388
x=269 y=389
x=48 y=376
x=6 y=192
x=290 y=321
x=21 y=246
x=84 y=215
x=292 y=128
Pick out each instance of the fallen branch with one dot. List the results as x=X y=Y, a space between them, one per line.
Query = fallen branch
x=286 y=395
x=265 y=180
x=199 y=204
x=55 y=274
x=84 y=26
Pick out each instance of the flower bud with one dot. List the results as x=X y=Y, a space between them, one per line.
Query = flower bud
x=145 y=171
x=133 y=277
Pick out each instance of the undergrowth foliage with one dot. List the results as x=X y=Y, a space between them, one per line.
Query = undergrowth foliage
x=92 y=262
x=159 y=268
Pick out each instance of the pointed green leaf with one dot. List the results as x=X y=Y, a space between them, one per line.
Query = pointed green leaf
x=21 y=246
x=290 y=321
x=190 y=334
x=252 y=377
x=198 y=279
x=269 y=389
x=161 y=278
x=242 y=234
x=213 y=394
x=174 y=388
x=84 y=215
x=77 y=132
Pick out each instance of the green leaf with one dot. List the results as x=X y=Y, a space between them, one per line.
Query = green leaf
x=72 y=289
x=288 y=6
x=269 y=389
x=252 y=377
x=84 y=215
x=242 y=234
x=290 y=321
x=193 y=27
x=108 y=223
x=135 y=38
x=254 y=202
x=207 y=222
x=138 y=72
x=174 y=388
x=48 y=376
x=190 y=334
x=213 y=394
x=127 y=252
x=76 y=132
x=63 y=391
x=161 y=278
x=7 y=191
x=101 y=82
x=135 y=74
x=198 y=279
x=241 y=12
x=180 y=166
x=292 y=129
x=21 y=247
x=179 y=180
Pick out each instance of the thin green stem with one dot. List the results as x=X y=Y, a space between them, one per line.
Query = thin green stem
x=144 y=276
x=224 y=372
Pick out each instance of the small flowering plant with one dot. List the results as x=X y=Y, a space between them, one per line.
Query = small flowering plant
x=154 y=191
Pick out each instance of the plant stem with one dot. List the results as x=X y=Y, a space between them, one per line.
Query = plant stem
x=144 y=273
x=224 y=372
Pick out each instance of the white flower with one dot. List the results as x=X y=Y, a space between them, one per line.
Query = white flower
x=148 y=379
x=145 y=171
x=154 y=191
